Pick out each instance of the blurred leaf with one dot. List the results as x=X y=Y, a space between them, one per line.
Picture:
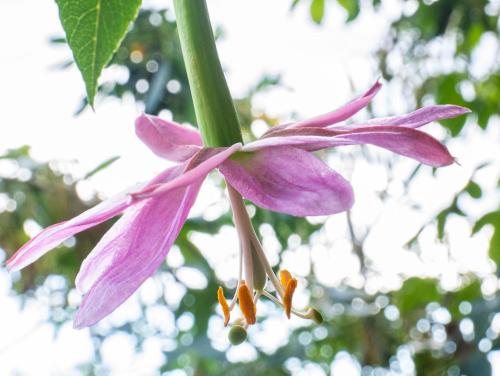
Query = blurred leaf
x=443 y=216
x=474 y=189
x=493 y=219
x=294 y=4
x=317 y=10
x=468 y=293
x=352 y=8
x=102 y=166
x=22 y=151
x=94 y=30
x=192 y=255
x=57 y=40
x=415 y=294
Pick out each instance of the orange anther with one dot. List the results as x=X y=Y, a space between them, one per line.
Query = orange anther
x=223 y=303
x=287 y=299
x=247 y=306
x=285 y=277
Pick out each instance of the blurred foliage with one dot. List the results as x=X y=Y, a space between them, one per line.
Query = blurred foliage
x=417 y=329
x=453 y=28
x=317 y=8
x=463 y=25
x=38 y=195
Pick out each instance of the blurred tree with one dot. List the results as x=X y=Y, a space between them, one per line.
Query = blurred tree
x=428 y=33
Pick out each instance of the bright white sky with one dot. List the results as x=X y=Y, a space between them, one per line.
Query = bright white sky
x=318 y=65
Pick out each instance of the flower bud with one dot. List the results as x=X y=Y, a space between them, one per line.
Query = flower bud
x=315 y=315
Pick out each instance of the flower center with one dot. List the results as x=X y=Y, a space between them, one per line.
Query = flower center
x=257 y=271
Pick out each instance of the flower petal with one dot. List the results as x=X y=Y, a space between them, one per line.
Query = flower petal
x=416 y=118
x=99 y=259
x=405 y=141
x=133 y=250
x=288 y=180
x=200 y=165
x=401 y=140
x=167 y=139
x=54 y=235
x=340 y=114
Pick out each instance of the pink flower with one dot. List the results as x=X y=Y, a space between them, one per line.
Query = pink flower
x=276 y=172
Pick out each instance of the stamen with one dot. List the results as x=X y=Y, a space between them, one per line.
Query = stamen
x=225 y=307
x=247 y=305
x=287 y=298
x=311 y=314
x=285 y=277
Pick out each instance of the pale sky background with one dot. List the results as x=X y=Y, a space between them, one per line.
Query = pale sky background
x=275 y=41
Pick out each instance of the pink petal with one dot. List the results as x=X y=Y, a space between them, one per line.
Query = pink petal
x=133 y=250
x=401 y=140
x=54 y=235
x=416 y=118
x=404 y=141
x=167 y=139
x=104 y=252
x=288 y=180
x=296 y=138
x=340 y=114
x=199 y=166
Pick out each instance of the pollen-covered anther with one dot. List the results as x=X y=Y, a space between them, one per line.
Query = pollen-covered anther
x=289 y=285
x=225 y=307
x=287 y=298
x=247 y=305
x=285 y=277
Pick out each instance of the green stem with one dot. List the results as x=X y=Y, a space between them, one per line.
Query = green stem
x=215 y=112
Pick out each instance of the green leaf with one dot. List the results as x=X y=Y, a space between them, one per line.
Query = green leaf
x=317 y=10
x=94 y=30
x=352 y=8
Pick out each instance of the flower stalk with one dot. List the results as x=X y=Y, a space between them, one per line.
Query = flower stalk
x=214 y=108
